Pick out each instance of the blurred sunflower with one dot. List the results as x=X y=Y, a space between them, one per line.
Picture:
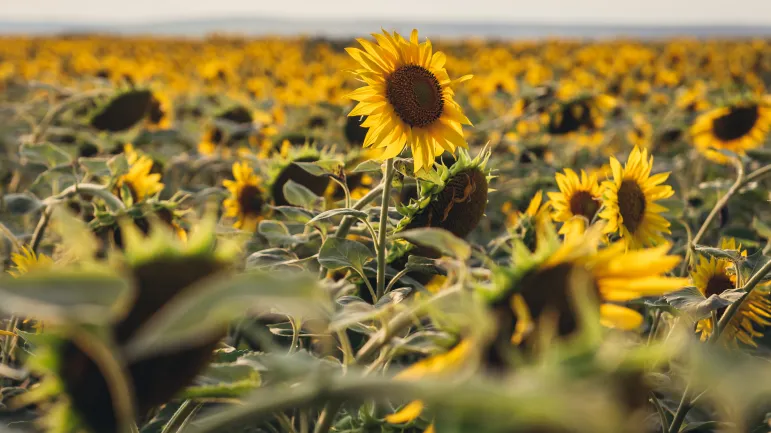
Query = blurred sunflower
x=27 y=260
x=546 y=282
x=737 y=128
x=246 y=200
x=713 y=276
x=408 y=99
x=629 y=201
x=578 y=200
x=138 y=183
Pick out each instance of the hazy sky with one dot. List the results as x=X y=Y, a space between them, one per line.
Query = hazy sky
x=576 y=11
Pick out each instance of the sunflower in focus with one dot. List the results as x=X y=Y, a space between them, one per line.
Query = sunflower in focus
x=408 y=98
x=713 y=276
x=738 y=127
x=578 y=200
x=139 y=182
x=629 y=201
x=246 y=198
x=27 y=260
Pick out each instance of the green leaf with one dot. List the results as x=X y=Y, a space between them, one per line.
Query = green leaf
x=271 y=258
x=204 y=311
x=225 y=380
x=439 y=239
x=299 y=195
x=763 y=229
x=276 y=233
x=691 y=301
x=118 y=165
x=47 y=154
x=343 y=253
x=20 y=204
x=719 y=253
x=95 y=166
x=340 y=212
x=752 y=264
x=423 y=265
x=762 y=154
x=368 y=167
x=65 y=296
x=324 y=167
x=296 y=214
x=394 y=297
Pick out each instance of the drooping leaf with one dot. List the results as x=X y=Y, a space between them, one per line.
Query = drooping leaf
x=324 y=167
x=205 y=310
x=439 y=239
x=752 y=264
x=47 y=154
x=368 y=167
x=299 y=195
x=343 y=253
x=423 y=265
x=691 y=301
x=719 y=253
x=64 y=295
x=20 y=204
x=271 y=258
x=339 y=212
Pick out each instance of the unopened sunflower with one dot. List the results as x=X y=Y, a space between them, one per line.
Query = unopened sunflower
x=408 y=98
x=713 y=276
x=629 y=201
x=737 y=128
x=246 y=201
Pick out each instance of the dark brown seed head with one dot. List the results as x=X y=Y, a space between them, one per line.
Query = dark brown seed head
x=416 y=95
x=631 y=204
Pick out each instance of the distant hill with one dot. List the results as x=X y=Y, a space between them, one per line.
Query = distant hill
x=330 y=28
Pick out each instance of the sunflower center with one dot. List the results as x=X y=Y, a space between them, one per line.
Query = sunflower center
x=582 y=203
x=718 y=284
x=551 y=291
x=415 y=94
x=736 y=124
x=250 y=200
x=631 y=204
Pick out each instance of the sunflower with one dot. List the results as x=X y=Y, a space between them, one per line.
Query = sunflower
x=737 y=127
x=408 y=98
x=159 y=115
x=444 y=364
x=545 y=283
x=246 y=199
x=713 y=276
x=578 y=199
x=641 y=133
x=629 y=201
x=27 y=260
x=138 y=183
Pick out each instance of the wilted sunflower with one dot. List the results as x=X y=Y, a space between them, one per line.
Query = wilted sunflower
x=737 y=127
x=246 y=200
x=545 y=283
x=27 y=260
x=713 y=276
x=139 y=183
x=629 y=201
x=578 y=200
x=408 y=98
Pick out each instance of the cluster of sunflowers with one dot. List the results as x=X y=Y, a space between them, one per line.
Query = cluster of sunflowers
x=283 y=235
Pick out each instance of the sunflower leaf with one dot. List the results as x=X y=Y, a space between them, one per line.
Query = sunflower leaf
x=271 y=258
x=20 y=204
x=763 y=229
x=439 y=239
x=325 y=167
x=423 y=265
x=368 y=167
x=691 y=301
x=47 y=154
x=752 y=264
x=343 y=253
x=719 y=253
x=299 y=195
x=295 y=214
x=64 y=296
x=339 y=212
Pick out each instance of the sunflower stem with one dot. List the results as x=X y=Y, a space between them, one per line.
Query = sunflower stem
x=719 y=205
x=682 y=410
x=733 y=308
x=113 y=202
x=383 y=227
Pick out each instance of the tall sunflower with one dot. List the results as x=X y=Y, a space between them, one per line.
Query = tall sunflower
x=139 y=182
x=629 y=201
x=543 y=284
x=246 y=197
x=578 y=200
x=737 y=127
x=408 y=98
x=713 y=276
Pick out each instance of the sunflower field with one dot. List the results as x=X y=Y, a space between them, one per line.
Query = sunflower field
x=304 y=235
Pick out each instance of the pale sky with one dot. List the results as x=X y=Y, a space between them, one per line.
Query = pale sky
x=560 y=11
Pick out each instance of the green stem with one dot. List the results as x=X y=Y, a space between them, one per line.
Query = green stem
x=348 y=221
x=181 y=417
x=383 y=227
x=113 y=202
x=661 y=412
x=682 y=410
x=733 y=308
x=327 y=417
x=395 y=279
x=721 y=203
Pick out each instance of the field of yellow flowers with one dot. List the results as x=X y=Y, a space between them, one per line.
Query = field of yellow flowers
x=387 y=234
